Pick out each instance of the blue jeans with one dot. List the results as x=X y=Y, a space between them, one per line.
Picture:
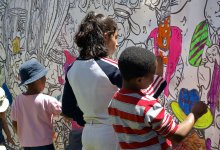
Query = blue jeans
x=46 y=147
x=75 y=140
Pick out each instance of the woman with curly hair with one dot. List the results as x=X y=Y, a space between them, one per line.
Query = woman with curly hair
x=91 y=81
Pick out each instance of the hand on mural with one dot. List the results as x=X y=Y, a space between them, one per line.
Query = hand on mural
x=199 y=109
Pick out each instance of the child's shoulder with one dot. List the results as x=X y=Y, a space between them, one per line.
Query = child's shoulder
x=47 y=97
x=150 y=100
x=44 y=95
x=20 y=96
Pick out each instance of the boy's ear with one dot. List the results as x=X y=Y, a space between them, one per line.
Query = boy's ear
x=139 y=80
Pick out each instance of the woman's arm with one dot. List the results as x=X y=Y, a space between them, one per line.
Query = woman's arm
x=70 y=107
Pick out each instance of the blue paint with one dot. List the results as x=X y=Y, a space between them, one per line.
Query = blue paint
x=7 y=93
x=187 y=98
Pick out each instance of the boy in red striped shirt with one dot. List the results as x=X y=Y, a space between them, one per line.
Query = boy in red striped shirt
x=139 y=120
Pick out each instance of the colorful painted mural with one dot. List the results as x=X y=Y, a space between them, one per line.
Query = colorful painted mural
x=186 y=33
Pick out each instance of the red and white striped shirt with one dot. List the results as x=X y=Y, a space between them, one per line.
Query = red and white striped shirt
x=140 y=121
x=155 y=88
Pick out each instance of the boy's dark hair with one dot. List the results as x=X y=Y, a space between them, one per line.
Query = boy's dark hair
x=136 y=62
x=89 y=38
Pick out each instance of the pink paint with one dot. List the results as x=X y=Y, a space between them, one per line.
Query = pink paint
x=174 y=52
x=61 y=80
x=208 y=144
x=75 y=125
x=69 y=59
x=213 y=94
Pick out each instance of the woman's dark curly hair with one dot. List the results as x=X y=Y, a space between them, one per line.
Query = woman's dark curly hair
x=90 y=36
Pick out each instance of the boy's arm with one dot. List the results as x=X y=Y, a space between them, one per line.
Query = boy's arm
x=159 y=83
x=5 y=128
x=14 y=117
x=14 y=124
x=54 y=106
x=159 y=68
x=159 y=120
x=164 y=124
x=184 y=128
x=156 y=87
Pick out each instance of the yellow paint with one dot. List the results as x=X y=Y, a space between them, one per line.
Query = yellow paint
x=16 y=45
x=202 y=123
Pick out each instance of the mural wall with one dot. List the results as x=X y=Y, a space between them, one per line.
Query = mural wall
x=186 y=33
